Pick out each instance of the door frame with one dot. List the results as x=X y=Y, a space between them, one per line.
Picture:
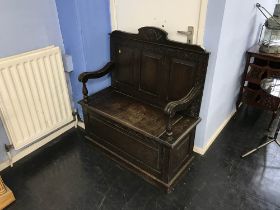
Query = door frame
x=201 y=20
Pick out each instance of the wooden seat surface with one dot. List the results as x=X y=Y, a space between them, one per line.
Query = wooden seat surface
x=130 y=111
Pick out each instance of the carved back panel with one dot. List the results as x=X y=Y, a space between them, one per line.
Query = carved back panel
x=152 y=68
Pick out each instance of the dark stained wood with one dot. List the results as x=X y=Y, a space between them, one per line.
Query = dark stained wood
x=146 y=120
x=259 y=66
x=85 y=76
x=148 y=69
x=254 y=51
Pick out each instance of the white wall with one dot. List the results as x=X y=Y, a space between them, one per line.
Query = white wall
x=26 y=25
x=239 y=31
x=171 y=16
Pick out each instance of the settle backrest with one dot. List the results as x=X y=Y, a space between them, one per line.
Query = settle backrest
x=154 y=69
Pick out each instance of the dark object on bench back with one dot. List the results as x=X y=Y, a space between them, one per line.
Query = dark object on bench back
x=146 y=120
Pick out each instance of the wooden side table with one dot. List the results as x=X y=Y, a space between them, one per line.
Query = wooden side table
x=272 y=87
x=259 y=66
x=6 y=195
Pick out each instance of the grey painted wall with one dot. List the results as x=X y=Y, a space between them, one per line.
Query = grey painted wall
x=26 y=25
x=232 y=27
x=213 y=27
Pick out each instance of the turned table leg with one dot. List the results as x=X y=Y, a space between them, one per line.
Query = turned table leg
x=3 y=189
x=6 y=195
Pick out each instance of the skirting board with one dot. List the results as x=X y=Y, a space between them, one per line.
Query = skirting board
x=203 y=150
x=36 y=146
x=81 y=124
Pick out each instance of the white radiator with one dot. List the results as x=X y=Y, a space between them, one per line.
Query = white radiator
x=34 y=98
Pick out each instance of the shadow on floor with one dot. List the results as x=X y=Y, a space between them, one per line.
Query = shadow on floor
x=69 y=173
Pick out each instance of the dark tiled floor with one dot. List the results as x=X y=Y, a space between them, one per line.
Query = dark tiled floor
x=71 y=174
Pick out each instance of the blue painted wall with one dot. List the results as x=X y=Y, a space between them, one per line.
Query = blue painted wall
x=85 y=26
x=26 y=25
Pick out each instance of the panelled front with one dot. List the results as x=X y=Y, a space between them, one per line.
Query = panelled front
x=180 y=154
x=126 y=70
x=150 y=71
x=181 y=76
x=142 y=153
x=139 y=72
x=183 y=71
x=125 y=54
x=154 y=73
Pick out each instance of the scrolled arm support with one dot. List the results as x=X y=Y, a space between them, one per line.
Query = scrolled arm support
x=175 y=106
x=85 y=76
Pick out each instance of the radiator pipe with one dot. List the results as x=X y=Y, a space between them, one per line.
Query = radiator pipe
x=8 y=148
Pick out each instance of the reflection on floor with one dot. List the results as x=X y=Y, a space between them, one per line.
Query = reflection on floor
x=71 y=174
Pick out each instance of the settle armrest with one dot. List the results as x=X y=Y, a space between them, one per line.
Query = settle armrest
x=175 y=106
x=85 y=76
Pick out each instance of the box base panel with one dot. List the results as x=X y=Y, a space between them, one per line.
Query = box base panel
x=167 y=187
